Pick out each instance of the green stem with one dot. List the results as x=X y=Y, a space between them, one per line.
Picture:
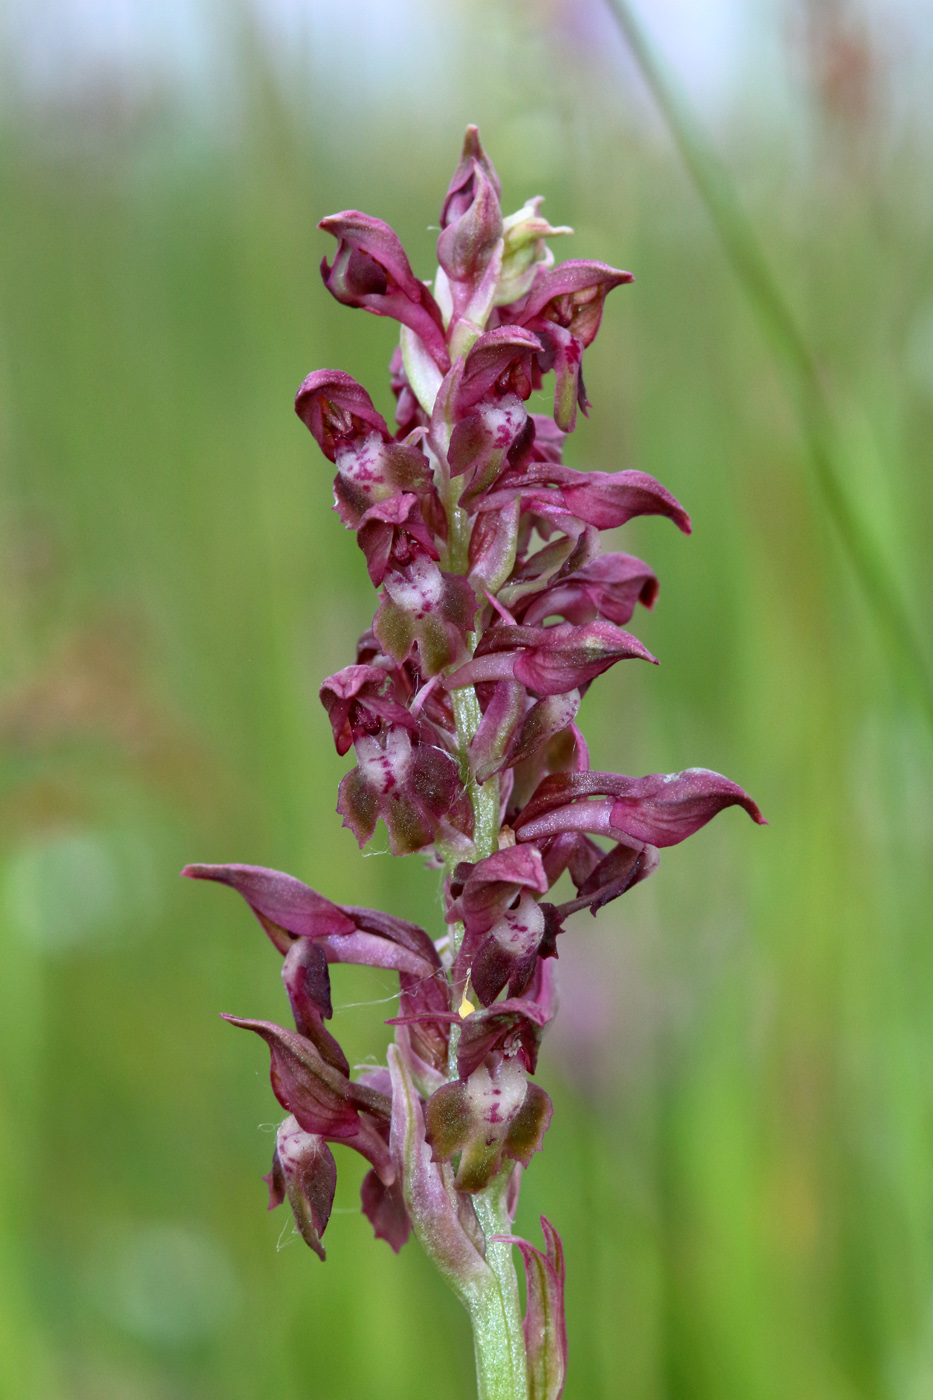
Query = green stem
x=485 y=797
x=496 y=1378
x=495 y=1310
x=500 y=1347
x=744 y=251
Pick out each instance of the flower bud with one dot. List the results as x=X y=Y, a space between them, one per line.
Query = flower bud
x=525 y=254
x=466 y=245
x=460 y=190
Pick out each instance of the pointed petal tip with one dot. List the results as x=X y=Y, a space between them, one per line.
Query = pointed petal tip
x=329 y=220
x=196 y=872
x=243 y=1023
x=200 y=871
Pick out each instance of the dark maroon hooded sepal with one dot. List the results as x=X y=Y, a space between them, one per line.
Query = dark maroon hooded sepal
x=358 y=701
x=304 y=1170
x=337 y=410
x=500 y=363
x=392 y=533
x=609 y=587
x=370 y=270
x=572 y=296
x=511 y=1027
x=483 y=892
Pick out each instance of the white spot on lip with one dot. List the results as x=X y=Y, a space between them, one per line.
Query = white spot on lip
x=385 y=768
x=421 y=591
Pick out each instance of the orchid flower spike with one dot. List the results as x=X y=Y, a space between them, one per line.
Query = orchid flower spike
x=496 y=611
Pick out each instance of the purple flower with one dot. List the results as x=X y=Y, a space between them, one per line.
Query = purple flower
x=608 y=588
x=425 y=609
x=564 y=307
x=484 y=443
x=572 y=296
x=392 y=534
x=494 y=1114
x=370 y=270
x=501 y=363
x=511 y=1028
x=480 y=894
x=416 y=790
x=508 y=955
x=359 y=701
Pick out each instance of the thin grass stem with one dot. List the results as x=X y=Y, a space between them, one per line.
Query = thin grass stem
x=787 y=340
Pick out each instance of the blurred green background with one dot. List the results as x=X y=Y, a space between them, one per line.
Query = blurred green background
x=741 y=1161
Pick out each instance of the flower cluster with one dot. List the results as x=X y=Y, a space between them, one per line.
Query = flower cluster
x=496 y=612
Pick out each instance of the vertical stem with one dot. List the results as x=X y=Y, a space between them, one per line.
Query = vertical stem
x=501 y=1371
x=496 y=1315
x=495 y=1310
x=485 y=798
x=501 y=1345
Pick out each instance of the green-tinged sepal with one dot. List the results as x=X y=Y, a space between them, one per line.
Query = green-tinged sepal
x=429 y=1194
x=494 y=1114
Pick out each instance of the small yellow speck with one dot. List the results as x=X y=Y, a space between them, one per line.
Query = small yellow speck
x=466 y=1007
